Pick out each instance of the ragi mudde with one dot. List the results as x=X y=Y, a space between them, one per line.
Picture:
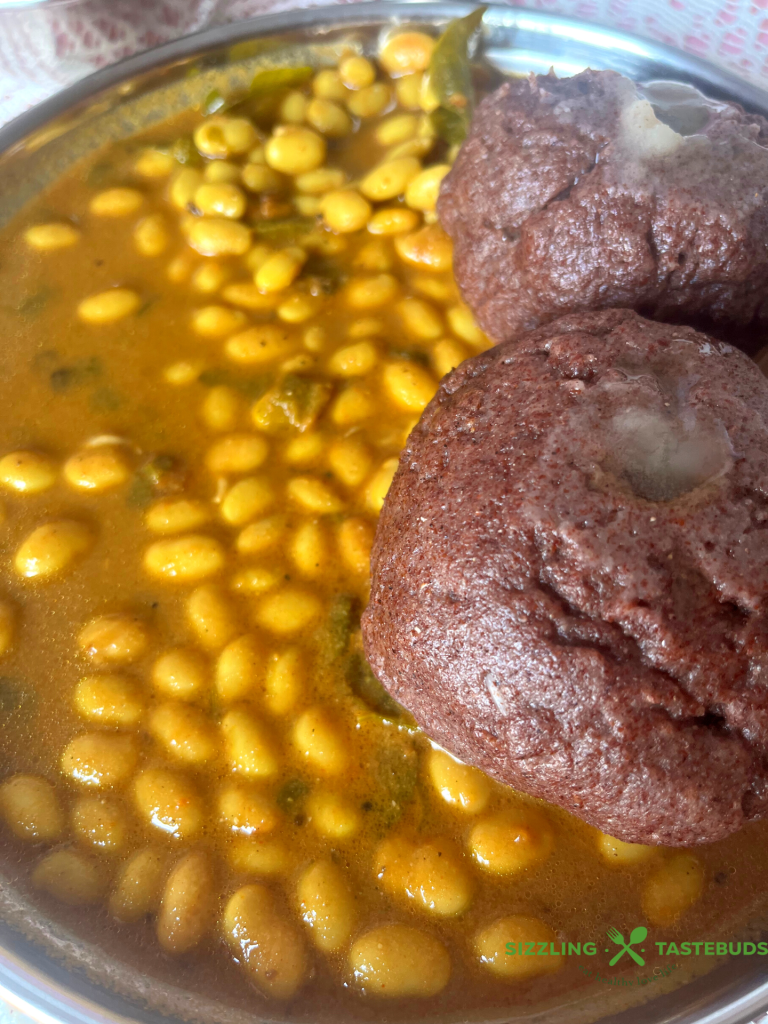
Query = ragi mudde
x=570 y=575
x=592 y=192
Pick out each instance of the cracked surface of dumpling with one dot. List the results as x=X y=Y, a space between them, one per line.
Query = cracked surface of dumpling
x=570 y=575
x=591 y=192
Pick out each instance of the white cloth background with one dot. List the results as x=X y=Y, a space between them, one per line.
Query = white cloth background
x=44 y=48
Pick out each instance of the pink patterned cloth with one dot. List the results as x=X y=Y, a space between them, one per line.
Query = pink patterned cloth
x=43 y=48
x=732 y=33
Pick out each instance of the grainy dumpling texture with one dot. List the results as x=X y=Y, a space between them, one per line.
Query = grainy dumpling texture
x=572 y=194
x=570 y=575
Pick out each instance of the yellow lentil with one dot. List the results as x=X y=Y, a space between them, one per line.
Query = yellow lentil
x=390 y=179
x=109 y=306
x=345 y=211
x=328 y=118
x=47 y=237
x=187 y=907
x=295 y=150
x=116 y=202
x=405 y=53
x=27 y=472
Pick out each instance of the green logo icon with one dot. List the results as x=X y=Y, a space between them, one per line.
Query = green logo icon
x=637 y=935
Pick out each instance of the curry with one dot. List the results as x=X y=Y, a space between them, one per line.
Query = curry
x=217 y=339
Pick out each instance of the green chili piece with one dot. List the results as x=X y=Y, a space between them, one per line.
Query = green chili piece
x=450 y=77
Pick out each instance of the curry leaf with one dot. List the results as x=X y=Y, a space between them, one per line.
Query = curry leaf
x=213 y=102
x=99 y=174
x=15 y=698
x=75 y=374
x=279 y=78
x=291 y=795
x=450 y=77
x=283 y=231
x=106 y=400
x=414 y=355
x=397 y=774
x=158 y=475
x=326 y=274
x=33 y=304
x=251 y=387
x=333 y=635
x=367 y=687
x=184 y=151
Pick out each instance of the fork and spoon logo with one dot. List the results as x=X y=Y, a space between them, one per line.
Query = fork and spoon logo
x=637 y=935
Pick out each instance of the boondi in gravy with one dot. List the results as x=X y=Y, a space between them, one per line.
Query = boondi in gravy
x=216 y=341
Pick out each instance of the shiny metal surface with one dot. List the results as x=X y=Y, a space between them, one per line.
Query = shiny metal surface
x=15 y=5
x=113 y=104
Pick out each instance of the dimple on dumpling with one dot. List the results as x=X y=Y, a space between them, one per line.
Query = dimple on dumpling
x=570 y=575
x=591 y=192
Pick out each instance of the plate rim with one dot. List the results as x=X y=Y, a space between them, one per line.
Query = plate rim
x=505 y=16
